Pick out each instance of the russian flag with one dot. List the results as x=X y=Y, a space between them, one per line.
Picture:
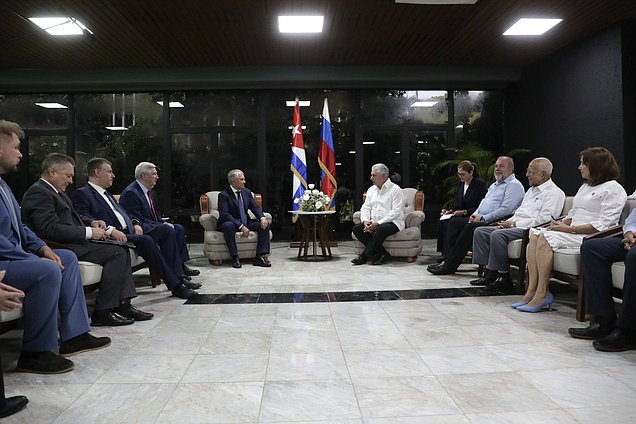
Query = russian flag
x=327 y=158
x=298 y=161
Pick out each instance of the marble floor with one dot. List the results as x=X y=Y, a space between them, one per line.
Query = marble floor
x=450 y=357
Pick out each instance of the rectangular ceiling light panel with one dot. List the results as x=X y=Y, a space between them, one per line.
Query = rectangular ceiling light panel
x=527 y=26
x=51 y=105
x=437 y=1
x=300 y=24
x=301 y=103
x=60 y=25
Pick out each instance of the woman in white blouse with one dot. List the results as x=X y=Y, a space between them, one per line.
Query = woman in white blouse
x=597 y=206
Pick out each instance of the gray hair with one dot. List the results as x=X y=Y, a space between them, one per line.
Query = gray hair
x=544 y=165
x=233 y=174
x=56 y=161
x=511 y=163
x=380 y=168
x=144 y=168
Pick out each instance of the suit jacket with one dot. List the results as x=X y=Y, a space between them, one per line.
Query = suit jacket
x=12 y=247
x=135 y=203
x=475 y=193
x=90 y=204
x=229 y=207
x=52 y=216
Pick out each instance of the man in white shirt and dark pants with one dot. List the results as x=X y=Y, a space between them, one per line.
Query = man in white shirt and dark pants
x=382 y=215
x=542 y=202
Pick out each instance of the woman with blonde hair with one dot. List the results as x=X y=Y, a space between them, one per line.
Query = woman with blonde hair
x=597 y=206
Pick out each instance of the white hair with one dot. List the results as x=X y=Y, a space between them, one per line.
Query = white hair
x=380 y=168
x=144 y=168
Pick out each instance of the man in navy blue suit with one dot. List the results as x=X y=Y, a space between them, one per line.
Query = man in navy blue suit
x=139 y=201
x=234 y=204
x=95 y=202
x=50 y=280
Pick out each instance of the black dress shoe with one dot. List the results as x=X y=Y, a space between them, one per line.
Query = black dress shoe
x=44 y=363
x=183 y=292
x=191 y=285
x=442 y=269
x=483 y=281
x=591 y=332
x=13 y=405
x=236 y=263
x=380 y=259
x=190 y=272
x=503 y=284
x=186 y=277
x=128 y=310
x=359 y=260
x=619 y=340
x=109 y=318
x=261 y=261
x=83 y=343
x=434 y=266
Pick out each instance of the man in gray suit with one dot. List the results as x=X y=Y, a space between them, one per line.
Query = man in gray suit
x=49 y=212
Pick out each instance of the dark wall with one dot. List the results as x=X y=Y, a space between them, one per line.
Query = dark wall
x=571 y=100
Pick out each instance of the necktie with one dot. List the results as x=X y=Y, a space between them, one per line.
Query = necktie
x=129 y=224
x=152 y=207
x=241 y=208
x=74 y=214
x=4 y=189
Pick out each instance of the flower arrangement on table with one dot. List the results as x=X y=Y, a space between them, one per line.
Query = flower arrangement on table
x=313 y=200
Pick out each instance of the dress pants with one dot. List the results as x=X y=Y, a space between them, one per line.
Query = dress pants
x=454 y=255
x=452 y=228
x=117 y=281
x=229 y=233
x=172 y=243
x=147 y=249
x=490 y=246
x=373 y=241
x=48 y=289
x=597 y=256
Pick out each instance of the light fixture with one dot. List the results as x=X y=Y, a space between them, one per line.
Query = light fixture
x=429 y=103
x=460 y=126
x=61 y=25
x=338 y=163
x=116 y=128
x=527 y=26
x=397 y=152
x=368 y=142
x=304 y=127
x=52 y=105
x=353 y=152
x=420 y=141
x=122 y=127
x=437 y=2
x=300 y=24
x=171 y=104
x=301 y=103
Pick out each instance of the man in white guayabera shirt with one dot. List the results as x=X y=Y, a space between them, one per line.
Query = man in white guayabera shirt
x=382 y=214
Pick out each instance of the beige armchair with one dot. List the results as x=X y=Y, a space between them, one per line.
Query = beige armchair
x=407 y=242
x=214 y=247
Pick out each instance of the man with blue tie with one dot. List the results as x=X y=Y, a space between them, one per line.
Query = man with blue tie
x=234 y=204
x=53 y=295
x=139 y=201
x=95 y=202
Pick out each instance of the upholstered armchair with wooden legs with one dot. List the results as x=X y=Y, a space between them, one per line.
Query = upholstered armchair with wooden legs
x=214 y=247
x=407 y=242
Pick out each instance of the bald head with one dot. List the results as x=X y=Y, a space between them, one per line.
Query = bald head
x=539 y=171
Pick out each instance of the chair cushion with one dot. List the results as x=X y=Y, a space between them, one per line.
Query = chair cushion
x=11 y=315
x=91 y=273
x=514 y=249
x=618 y=274
x=567 y=261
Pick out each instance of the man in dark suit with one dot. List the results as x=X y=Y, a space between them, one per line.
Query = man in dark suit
x=93 y=201
x=48 y=281
x=49 y=212
x=139 y=201
x=234 y=204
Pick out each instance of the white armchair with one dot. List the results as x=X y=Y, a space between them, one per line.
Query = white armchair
x=214 y=247
x=407 y=242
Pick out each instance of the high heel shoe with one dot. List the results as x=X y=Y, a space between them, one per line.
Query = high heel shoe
x=546 y=302
x=517 y=304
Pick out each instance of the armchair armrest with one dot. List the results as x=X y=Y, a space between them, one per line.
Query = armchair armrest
x=269 y=217
x=209 y=220
x=414 y=219
x=610 y=232
x=356 y=217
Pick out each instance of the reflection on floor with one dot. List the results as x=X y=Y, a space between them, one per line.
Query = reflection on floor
x=332 y=343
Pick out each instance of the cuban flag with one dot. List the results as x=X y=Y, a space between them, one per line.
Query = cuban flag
x=298 y=161
x=327 y=158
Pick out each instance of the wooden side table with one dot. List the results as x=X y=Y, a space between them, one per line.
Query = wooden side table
x=313 y=229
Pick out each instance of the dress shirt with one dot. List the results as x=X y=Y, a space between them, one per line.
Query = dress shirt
x=630 y=223
x=600 y=205
x=540 y=204
x=385 y=204
x=89 y=230
x=502 y=198
x=120 y=218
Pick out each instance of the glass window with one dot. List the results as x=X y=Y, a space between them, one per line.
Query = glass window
x=36 y=111
x=123 y=128
x=479 y=118
x=213 y=109
x=382 y=147
x=190 y=169
x=396 y=107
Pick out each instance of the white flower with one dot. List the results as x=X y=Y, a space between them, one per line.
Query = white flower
x=306 y=196
x=318 y=204
x=311 y=186
x=315 y=192
x=297 y=200
x=327 y=198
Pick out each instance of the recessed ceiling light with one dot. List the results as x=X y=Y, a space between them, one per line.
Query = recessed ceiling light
x=52 y=105
x=338 y=163
x=460 y=126
x=352 y=152
x=437 y=1
x=527 y=26
x=397 y=152
x=303 y=127
x=61 y=25
x=300 y=24
x=368 y=142
x=301 y=103
x=171 y=104
x=424 y=104
x=117 y=128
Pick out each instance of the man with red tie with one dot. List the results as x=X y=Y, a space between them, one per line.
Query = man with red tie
x=139 y=201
